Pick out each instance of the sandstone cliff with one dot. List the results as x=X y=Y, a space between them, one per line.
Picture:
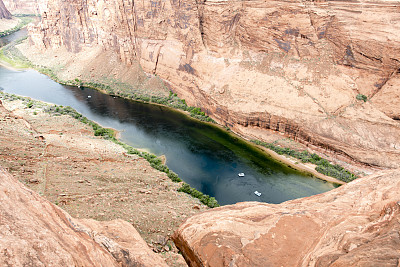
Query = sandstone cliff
x=4 y=13
x=22 y=6
x=354 y=225
x=294 y=67
x=35 y=232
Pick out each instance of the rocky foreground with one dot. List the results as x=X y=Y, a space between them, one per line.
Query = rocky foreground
x=34 y=232
x=356 y=224
x=59 y=157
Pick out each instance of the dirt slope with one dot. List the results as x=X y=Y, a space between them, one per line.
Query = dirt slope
x=35 y=232
x=89 y=177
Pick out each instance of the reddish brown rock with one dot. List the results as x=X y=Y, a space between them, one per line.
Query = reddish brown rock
x=35 y=232
x=23 y=6
x=290 y=66
x=354 y=225
x=4 y=13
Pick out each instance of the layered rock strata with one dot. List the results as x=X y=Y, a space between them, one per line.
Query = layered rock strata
x=22 y=6
x=354 y=225
x=296 y=67
x=4 y=13
x=35 y=232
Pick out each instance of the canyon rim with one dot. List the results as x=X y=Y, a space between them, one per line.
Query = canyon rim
x=323 y=73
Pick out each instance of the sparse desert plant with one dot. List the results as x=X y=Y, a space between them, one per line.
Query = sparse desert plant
x=362 y=97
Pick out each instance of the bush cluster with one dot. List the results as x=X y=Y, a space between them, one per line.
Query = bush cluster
x=25 y=19
x=94 y=85
x=205 y=199
x=323 y=165
x=13 y=56
x=362 y=97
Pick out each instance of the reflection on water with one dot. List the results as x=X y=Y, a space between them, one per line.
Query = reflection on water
x=13 y=37
x=204 y=156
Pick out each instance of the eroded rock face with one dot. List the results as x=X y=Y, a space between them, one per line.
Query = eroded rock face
x=35 y=232
x=22 y=6
x=4 y=13
x=354 y=225
x=290 y=66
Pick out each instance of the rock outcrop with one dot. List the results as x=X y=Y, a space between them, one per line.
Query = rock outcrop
x=34 y=232
x=22 y=6
x=4 y=13
x=296 y=67
x=354 y=225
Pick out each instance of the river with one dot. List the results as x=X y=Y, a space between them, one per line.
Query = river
x=206 y=157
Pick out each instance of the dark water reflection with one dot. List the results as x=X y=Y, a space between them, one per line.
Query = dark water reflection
x=204 y=156
x=13 y=37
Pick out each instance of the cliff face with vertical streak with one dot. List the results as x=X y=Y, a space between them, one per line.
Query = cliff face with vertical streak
x=4 y=13
x=295 y=67
x=22 y=6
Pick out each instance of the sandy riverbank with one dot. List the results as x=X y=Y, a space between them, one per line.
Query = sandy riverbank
x=7 y=24
x=298 y=165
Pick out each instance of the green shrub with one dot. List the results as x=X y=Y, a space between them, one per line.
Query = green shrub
x=103 y=132
x=362 y=97
x=205 y=199
x=323 y=165
x=23 y=22
x=29 y=104
x=174 y=177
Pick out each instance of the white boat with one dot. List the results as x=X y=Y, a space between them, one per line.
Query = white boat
x=89 y=96
x=257 y=193
x=241 y=174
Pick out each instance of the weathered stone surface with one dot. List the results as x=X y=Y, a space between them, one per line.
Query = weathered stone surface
x=354 y=225
x=35 y=232
x=22 y=6
x=4 y=13
x=290 y=66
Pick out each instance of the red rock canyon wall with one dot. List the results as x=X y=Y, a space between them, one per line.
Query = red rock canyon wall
x=22 y=6
x=291 y=66
x=4 y=13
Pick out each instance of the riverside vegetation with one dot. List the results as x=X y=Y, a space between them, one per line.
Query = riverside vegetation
x=14 y=57
x=323 y=165
x=109 y=134
x=172 y=100
x=25 y=19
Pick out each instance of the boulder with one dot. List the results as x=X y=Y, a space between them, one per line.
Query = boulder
x=354 y=225
x=34 y=232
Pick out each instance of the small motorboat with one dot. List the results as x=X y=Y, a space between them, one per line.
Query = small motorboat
x=257 y=193
x=241 y=174
x=89 y=96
